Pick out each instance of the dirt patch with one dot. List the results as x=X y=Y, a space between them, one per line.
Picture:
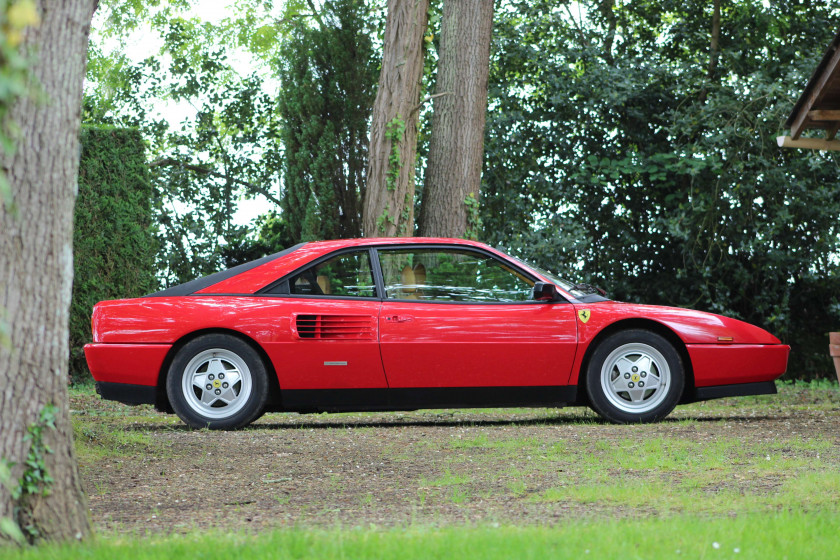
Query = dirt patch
x=146 y=472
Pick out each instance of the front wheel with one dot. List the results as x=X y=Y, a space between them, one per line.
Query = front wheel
x=217 y=381
x=635 y=376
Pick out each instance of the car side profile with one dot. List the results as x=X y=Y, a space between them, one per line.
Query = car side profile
x=410 y=323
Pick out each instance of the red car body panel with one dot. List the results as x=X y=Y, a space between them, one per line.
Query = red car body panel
x=737 y=363
x=477 y=345
x=134 y=364
x=380 y=343
x=708 y=336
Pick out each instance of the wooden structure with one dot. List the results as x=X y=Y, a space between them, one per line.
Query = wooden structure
x=819 y=106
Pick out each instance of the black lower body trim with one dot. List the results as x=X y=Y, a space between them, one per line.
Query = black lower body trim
x=127 y=394
x=738 y=390
x=357 y=400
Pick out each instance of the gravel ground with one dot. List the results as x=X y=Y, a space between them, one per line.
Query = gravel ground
x=145 y=472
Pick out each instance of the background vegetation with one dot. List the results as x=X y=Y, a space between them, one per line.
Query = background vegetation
x=621 y=148
x=616 y=153
x=114 y=241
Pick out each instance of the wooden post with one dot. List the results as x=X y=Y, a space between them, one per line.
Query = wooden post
x=834 y=350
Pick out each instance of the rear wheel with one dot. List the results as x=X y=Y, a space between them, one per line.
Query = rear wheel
x=217 y=381
x=635 y=376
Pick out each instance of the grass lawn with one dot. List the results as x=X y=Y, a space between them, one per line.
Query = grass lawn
x=758 y=536
x=755 y=477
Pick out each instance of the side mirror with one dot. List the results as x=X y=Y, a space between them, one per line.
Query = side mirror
x=543 y=291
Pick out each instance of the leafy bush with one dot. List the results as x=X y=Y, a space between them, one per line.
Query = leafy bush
x=113 y=243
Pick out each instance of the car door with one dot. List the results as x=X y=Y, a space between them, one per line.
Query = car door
x=460 y=317
x=333 y=339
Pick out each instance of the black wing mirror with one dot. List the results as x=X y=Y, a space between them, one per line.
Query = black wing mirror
x=543 y=291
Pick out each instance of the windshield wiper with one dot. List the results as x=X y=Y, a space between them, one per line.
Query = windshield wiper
x=589 y=289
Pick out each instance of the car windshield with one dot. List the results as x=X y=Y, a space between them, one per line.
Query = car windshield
x=576 y=290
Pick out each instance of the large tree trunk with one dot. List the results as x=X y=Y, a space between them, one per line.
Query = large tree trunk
x=453 y=175
x=36 y=271
x=389 y=197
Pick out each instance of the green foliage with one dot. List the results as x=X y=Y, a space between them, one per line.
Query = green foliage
x=327 y=74
x=225 y=147
x=302 y=151
x=751 y=536
x=114 y=239
x=9 y=527
x=269 y=234
x=473 y=216
x=614 y=157
x=394 y=132
x=35 y=481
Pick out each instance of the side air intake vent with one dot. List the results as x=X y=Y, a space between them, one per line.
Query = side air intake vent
x=340 y=327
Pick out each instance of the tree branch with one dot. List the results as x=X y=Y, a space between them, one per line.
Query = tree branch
x=315 y=13
x=426 y=100
x=171 y=162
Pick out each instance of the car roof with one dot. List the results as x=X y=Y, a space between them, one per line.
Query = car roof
x=250 y=277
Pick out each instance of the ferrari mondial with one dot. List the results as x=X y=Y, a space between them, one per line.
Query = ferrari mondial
x=410 y=323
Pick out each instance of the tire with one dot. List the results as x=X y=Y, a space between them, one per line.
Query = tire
x=217 y=381
x=635 y=376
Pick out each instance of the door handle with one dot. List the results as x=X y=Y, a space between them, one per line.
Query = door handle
x=399 y=318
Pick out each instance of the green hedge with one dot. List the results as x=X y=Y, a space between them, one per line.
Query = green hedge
x=113 y=243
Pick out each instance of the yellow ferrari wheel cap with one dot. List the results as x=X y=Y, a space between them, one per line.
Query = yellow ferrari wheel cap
x=217 y=383
x=584 y=315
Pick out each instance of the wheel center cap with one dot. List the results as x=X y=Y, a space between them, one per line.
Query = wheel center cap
x=635 y=377
x=217 y=383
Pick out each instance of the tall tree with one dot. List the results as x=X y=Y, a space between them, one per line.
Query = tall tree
x=36 y=272
x=327 y=76
x=389 y=196
x=605 y=162
x=456 y=153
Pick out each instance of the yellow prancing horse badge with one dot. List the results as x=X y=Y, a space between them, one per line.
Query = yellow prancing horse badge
x=584 y=315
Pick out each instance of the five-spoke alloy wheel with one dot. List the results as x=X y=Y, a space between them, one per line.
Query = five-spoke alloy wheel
x=217 y=381
x=634 y=376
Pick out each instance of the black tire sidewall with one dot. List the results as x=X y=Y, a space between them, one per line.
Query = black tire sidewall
x=259 y=382
x=595 y=391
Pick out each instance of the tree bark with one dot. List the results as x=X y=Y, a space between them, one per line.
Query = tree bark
x=388 y=208
x=714 y=47
x=456 y=151
x=36 y=270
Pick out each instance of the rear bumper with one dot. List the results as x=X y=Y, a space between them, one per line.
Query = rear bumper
x=127 y=394
x=132 y=364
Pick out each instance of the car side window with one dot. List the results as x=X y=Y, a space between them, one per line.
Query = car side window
x=451 y=275
x=348 y=274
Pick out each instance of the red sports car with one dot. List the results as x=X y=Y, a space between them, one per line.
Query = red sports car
x=409 y=323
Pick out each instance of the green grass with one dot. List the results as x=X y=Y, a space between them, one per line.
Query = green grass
x=617 y=491
x=777 y=536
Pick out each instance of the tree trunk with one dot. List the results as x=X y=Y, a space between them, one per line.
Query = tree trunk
x=456 y=152
x=36 y=271
x=389 y=196
x=714 y=47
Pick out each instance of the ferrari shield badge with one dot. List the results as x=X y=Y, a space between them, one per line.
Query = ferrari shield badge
x=584 y=315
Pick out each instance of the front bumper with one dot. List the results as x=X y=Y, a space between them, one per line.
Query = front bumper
x=736 y=390
x=730 y=364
